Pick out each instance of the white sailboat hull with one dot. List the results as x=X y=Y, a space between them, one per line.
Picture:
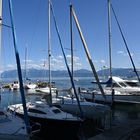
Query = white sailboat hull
x=90 y=110
x=30 y=86
x=117 y=96
x=46 y=90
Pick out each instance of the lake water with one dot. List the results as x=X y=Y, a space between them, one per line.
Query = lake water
x=12 y=97
x=120 y=113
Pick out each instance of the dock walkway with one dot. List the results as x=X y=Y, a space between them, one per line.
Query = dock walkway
x=123 y=131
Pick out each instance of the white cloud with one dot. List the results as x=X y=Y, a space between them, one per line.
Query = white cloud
x=78 y=66
x=57 y=63
x=60 y=57
x=76 y=62
x=95 y=61
x=103 y=61
x=10 y=67
x=28 y=61
x=75 y=58
x=120 y=52
x=32 y=65
x=42 y=60
x=132 y=54
x=124 y=54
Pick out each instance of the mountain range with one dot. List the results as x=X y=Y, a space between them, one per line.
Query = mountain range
x=122 y=72
x=35 y=73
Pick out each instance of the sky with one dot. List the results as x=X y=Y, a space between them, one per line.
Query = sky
x=31 y=24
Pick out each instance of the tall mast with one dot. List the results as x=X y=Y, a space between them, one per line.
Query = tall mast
x=49 y=45
x=65 y=59
x=0 y=37
x=87 y=52
x=25 y=73
x=26 y=119
x=109 y=37
x=71 y=40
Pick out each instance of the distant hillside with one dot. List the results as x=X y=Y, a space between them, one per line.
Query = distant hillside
x=35 y=73
x=122 y=72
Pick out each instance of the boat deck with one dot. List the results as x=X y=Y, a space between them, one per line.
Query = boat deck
x=116 y=102
x=126 y=102
x=124 y=131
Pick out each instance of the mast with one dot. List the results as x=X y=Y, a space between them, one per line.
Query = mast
x=49 y=46
x=71 y=40
x=87 y=53
x=26 y=119
x=25 y=73
x=65 y=59
x=109 y=39
x=0 y=39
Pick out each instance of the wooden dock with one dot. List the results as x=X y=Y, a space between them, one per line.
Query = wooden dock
x=122 y=131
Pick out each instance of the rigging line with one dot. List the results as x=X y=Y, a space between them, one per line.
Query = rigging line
x=125 y=43
x=71 y=78
x=26 y=119
x=6 y=25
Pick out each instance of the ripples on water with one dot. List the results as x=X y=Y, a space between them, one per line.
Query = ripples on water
x=11 y=97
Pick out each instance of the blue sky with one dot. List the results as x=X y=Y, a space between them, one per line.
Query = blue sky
x=31 y=22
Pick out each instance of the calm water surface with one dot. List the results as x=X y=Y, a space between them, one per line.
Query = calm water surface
x=12 y=97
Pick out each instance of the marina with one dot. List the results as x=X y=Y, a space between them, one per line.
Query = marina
x=64 y=94
x=122 y=113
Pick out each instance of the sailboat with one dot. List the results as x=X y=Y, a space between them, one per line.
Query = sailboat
x=49 y=89
x=11 y=126
x=122 y=91
x=114 y=82
x=27 y=83
x=70 y=104
x=15 y=85
x=51 y=118
x=115 y=88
